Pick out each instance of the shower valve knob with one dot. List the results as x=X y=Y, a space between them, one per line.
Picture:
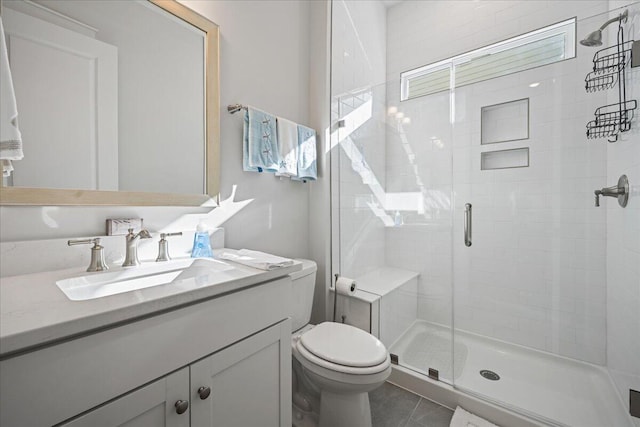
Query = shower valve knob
x=621 y=191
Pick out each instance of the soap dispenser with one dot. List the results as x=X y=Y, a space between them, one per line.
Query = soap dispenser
x=201 y=243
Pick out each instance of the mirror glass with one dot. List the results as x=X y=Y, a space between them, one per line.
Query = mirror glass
x=111 y=95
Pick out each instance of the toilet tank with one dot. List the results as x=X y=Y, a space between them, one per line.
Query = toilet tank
x=303 y=283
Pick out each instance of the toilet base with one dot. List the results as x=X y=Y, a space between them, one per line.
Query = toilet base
x=344 y=410
x=301 y=418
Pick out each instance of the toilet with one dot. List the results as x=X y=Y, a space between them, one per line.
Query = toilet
x=334 y=365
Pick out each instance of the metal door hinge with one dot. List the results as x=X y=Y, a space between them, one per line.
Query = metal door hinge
x=634 y=403
x=434 y=374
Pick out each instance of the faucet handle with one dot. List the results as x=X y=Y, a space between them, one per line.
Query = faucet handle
x=163 y=246
x=163 y=235
x=619 y=191
x=73 y=242
x=97 y=253
x=143 y=234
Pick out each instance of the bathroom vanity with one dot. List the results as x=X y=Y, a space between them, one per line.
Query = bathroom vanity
x=198 y=351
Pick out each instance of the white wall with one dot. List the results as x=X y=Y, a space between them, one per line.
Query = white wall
x=265 y=61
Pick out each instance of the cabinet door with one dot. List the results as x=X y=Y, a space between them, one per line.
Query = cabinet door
x=250 y=382
x=153 y=405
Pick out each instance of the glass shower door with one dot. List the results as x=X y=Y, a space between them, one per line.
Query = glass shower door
x=419 y=149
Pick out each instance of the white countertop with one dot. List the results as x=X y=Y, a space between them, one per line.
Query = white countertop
x=34 y=311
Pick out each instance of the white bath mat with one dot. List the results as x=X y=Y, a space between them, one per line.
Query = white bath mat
x=462 y=418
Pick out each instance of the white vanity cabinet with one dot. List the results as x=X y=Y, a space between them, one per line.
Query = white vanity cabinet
x=236 y=345
x=243 y=385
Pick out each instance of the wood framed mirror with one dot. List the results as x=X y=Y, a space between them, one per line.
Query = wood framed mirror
x=176 y=151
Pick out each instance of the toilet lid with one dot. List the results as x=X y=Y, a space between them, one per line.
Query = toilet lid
x=344 y=344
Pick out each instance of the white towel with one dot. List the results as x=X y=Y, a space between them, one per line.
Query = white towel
x=462 y=418
x=256 y=259
x=288 y=147
x=10 y=138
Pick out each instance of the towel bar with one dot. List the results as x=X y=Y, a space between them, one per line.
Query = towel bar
x=235 y=108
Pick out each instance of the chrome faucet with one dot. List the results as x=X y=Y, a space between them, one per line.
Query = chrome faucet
x=131 y=256
x=620 y=191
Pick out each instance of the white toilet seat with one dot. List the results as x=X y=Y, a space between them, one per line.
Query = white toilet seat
x=335 y=367
x=344 y=345
x=341 y=372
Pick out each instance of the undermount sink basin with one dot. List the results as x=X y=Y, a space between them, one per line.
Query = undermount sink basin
x=120 y=280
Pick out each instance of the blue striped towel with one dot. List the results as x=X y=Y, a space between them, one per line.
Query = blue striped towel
x=260 y=142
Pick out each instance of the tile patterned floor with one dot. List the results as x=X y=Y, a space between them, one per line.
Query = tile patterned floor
x=393 y=406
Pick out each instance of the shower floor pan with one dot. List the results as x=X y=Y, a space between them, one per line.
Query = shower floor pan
x=552 y=389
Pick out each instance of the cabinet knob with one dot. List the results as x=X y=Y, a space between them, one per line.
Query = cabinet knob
x=204 y=392
x=182 y=406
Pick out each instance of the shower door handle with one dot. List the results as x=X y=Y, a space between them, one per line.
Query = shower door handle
x=467 y=224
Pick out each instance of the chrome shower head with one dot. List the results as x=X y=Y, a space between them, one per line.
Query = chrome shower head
x=595 y=38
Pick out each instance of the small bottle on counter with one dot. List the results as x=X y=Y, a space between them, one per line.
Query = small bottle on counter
x=201 y=243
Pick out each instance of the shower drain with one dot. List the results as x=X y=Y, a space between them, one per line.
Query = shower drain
x=490 y=375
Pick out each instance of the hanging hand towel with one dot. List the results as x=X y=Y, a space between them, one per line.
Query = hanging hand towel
x=260 y=151
x=10 y=138
x=306 y=154
x=288 y=147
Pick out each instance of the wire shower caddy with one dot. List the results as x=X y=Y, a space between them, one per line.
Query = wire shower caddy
x=609 y=66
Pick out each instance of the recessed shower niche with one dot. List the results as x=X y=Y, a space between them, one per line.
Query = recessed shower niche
x=508 y=121
x=505 y=159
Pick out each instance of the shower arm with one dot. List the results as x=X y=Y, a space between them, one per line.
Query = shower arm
x=622 y=17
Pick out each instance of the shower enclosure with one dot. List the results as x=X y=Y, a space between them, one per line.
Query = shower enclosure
x=463 y=197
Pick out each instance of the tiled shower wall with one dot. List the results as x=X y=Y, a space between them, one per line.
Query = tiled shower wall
x=535 y=274
x=623 y=248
